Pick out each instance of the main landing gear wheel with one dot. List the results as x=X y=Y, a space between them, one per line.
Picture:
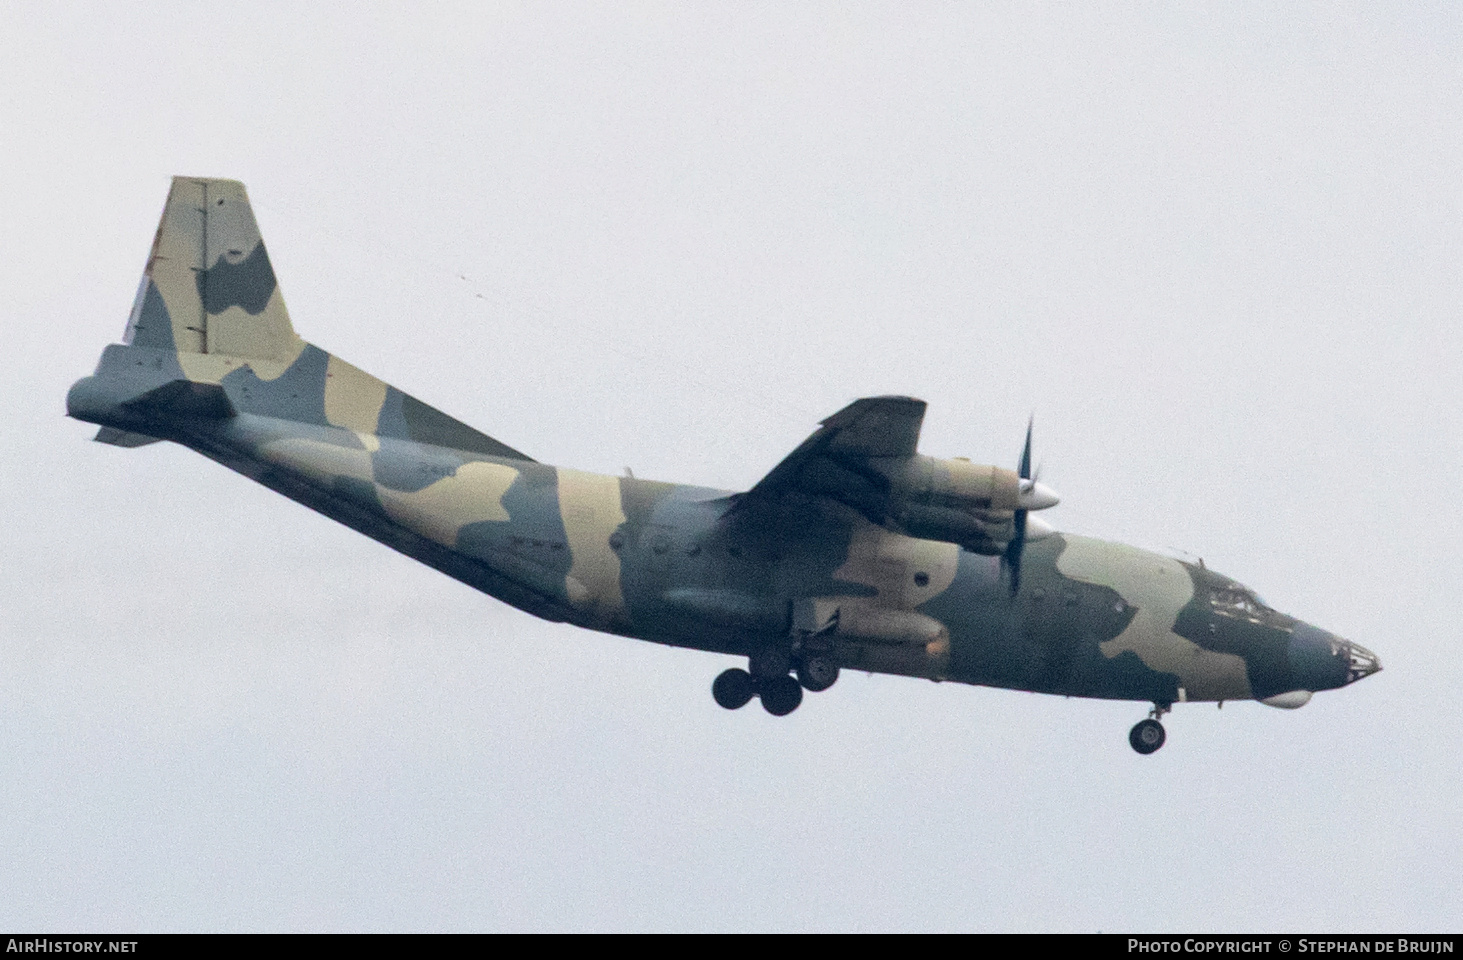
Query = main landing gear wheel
x=769 y=662
x=1147 y=736
x=817 y=674
x=780 y=695
x=733 y=688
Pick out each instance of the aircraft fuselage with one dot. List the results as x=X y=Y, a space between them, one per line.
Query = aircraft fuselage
x=854 y=552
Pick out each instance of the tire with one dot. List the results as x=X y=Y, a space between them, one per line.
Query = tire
x=1147 y=736
x=733 y=688
x=781 y=695
x=817 y=674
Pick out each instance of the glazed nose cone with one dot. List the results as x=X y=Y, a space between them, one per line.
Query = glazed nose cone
x=1320 y=660
x=1360 y=661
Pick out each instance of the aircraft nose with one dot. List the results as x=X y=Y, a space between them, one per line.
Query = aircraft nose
x=1361 y=662
x=1320 y=660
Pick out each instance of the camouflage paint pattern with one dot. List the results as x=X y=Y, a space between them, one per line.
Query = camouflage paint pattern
x=822 y=547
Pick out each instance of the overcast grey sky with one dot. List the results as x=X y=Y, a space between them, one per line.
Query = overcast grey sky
x=1215 y=249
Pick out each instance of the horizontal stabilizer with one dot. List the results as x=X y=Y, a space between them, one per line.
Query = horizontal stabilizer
x=123 y=438
x=184 y=398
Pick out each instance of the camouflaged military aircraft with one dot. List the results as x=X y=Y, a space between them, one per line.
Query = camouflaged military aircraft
x=855 y=552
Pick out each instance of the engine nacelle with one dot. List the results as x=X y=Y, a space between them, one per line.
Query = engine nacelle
x=962 y=502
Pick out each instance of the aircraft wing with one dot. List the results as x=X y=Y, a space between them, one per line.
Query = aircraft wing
x=834 y=461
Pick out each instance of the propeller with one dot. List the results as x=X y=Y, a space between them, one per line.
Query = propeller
x=1014 y=549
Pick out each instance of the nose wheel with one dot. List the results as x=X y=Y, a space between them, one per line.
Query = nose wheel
x=1148 y=735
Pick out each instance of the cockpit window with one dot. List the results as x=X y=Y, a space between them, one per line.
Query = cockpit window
x=1236 y=601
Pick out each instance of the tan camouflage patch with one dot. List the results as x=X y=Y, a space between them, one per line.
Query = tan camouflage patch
x=321 y=462
x=590 y=507
x=891 y=564
x=353 y=398
x=266 y=337
x=1157 y=587
x=177 y=256
x=471 y=495
x=906 y=573
x=213 y=367
x=208 y=367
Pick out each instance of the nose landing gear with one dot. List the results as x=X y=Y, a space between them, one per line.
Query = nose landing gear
x=1148 y=735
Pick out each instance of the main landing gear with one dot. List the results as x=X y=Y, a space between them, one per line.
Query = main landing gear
x=769 y=679
x=1148 y=735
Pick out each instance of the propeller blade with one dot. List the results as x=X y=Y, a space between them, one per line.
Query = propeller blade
x=1017 y=546
x=1014 y=549
x=1025 y=472
x=1013 y=564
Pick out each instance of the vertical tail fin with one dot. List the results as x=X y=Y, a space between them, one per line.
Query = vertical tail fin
x=209 y=338
x=209 y=287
